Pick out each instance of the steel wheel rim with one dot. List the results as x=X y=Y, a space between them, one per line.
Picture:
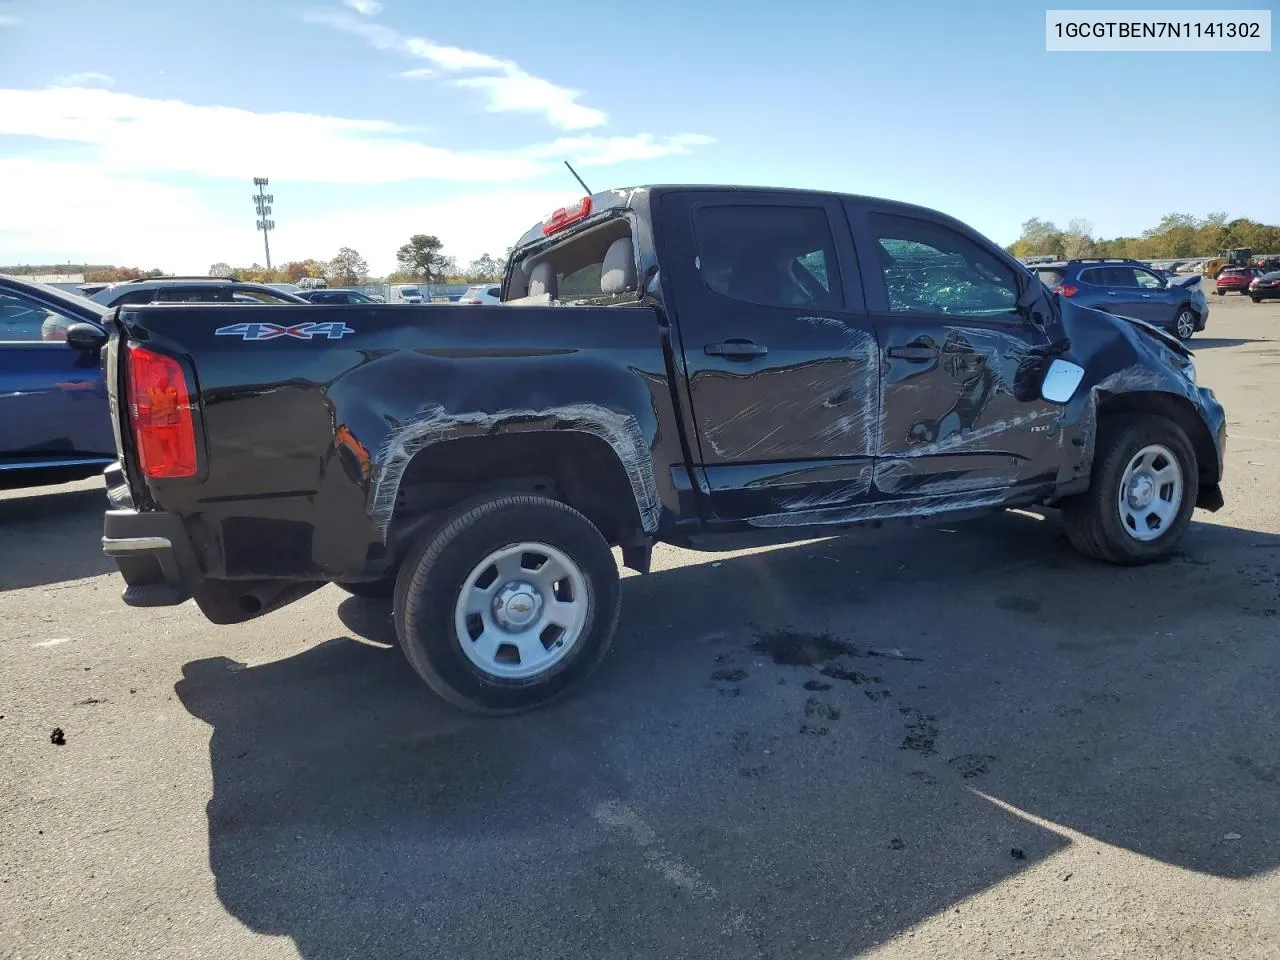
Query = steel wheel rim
x=521 y=610
x=1186 y=324
x=1150 y=495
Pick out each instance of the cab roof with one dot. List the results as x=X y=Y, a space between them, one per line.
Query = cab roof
x=608 y=202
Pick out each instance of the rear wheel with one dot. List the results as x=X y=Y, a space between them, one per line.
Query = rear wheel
x=1184 y=324
x=510 y=603
x=1256 y=299
x=1145 y=484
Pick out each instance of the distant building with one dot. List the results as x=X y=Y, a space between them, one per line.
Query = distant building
x=56 y=277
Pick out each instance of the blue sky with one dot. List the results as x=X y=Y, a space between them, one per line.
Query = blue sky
x=136 y=129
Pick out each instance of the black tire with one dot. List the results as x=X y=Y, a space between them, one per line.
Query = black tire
x=1217 y=293
x=1092 y=519
x=382 y=589
x=1256 y=299
x=437 y=569
x=1185 y=330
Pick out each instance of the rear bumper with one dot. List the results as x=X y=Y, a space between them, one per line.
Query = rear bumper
x=153 y=554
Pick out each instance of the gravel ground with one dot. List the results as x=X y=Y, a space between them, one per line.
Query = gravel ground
x=950 y=743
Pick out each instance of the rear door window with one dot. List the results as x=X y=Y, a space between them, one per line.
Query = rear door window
x=777 y=256
x=248 y=294
x=205 y=294
x=134 y=297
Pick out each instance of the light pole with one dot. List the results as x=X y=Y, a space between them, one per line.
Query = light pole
x=262 y=203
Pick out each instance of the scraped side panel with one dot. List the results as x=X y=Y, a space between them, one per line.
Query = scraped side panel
x=436 y=425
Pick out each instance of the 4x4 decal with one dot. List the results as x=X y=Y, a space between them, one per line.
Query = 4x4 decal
x=299 y=331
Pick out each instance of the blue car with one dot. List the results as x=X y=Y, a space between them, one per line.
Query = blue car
x=55 y=424
x=1130 y=288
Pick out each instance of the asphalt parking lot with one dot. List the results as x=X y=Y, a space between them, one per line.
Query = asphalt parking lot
x=955 y=742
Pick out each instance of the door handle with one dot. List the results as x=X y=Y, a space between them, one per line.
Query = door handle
x=1146 y=296
x=735 y=349
x=913 y=354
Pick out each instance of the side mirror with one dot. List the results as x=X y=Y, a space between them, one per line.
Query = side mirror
x=85 y=336
x=1061 y=380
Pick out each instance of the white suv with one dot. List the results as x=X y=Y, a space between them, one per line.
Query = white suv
x=484 y=293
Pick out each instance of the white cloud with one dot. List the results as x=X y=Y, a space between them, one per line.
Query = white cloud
x=72 y=211
x=139 y=135
x=506 y=86
x=119 y=201
x=418 y=73
x=593 y=151
x=8 y=20
x=370 y=8
x=85 y=79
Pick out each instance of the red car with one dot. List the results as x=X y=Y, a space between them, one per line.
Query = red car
x=1235 y=278
x=1265 y=287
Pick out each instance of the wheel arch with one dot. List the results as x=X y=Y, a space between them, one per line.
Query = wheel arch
x=1178 y=409
x=577 y=467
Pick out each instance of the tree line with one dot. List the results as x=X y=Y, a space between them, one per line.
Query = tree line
x=1176 y=235
x=421 y=260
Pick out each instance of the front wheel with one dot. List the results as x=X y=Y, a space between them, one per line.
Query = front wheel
x=1145 y=485
x=1256 y=299
x=1184 y=324
x=510 y=603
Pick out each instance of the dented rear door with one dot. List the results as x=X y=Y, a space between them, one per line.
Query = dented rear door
x=781 y=355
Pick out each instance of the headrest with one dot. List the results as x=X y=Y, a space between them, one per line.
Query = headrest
x=618 y=272
x=543 y=279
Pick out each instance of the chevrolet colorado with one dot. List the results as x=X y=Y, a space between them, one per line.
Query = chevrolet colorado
x=701 y=366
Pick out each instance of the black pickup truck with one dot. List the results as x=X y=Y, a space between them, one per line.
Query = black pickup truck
x=702 y=366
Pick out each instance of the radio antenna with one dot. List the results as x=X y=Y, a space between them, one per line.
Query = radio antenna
x=578 y=178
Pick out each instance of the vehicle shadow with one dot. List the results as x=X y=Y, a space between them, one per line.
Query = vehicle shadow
x=734 y=783
x=51 y=537
x=1211 y=343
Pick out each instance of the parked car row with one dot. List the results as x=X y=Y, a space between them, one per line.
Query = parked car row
x=1249 y=281
x=1129 y=288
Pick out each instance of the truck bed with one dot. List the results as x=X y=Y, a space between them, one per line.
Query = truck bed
x=308 y=416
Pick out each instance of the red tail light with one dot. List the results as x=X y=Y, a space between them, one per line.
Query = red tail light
x=566 y=216
x=160 y=413
x=1066 y=289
